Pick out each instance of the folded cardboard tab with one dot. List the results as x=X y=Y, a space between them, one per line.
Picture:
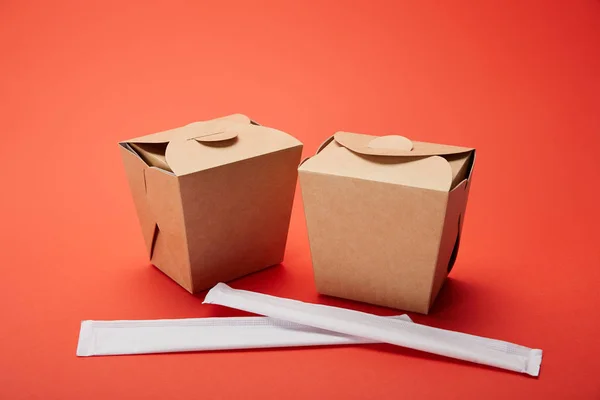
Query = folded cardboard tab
x=384 y=216
x=213 y=197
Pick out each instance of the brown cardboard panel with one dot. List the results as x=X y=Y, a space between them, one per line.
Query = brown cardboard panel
x=425 y=172
x=189 y=156
x=384 y=228
x=224 y=210
x=321 y=147
x=237 y=215
x=152 y=148
x=455 y=214
x=359 y=143
x=217 y=137
x=209 y=144
x=391 y=142
x=192 y=130
x=360 y=244
x=152 y=153
x=164 y=259
x=324 y=144
x=164 y=200
x=135 y=170
x=157 y=200
x=460 y=164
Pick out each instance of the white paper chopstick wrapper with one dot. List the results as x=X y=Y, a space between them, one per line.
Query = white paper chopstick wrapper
x=98 y=338
x=457 y=345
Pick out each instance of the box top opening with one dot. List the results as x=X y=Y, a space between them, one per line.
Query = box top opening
x=394 y=146
x=207 y=144
x=392 y=159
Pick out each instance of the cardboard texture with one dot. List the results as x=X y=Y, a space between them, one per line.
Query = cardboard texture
x=213 y=198
x=384 y=217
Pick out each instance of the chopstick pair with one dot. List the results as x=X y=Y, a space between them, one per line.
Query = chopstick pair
x=294 y=323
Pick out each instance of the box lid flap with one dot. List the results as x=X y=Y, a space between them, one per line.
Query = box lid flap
x=193 y=129
x=394 y=145
x=415 y=164
x=207 y=144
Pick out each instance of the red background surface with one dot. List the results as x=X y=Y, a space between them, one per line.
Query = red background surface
x=518 y=80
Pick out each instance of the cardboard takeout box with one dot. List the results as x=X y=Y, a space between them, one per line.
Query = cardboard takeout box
x=213 y=198
x=384 y=217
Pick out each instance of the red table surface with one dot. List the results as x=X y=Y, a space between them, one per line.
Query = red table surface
x=518 y=80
